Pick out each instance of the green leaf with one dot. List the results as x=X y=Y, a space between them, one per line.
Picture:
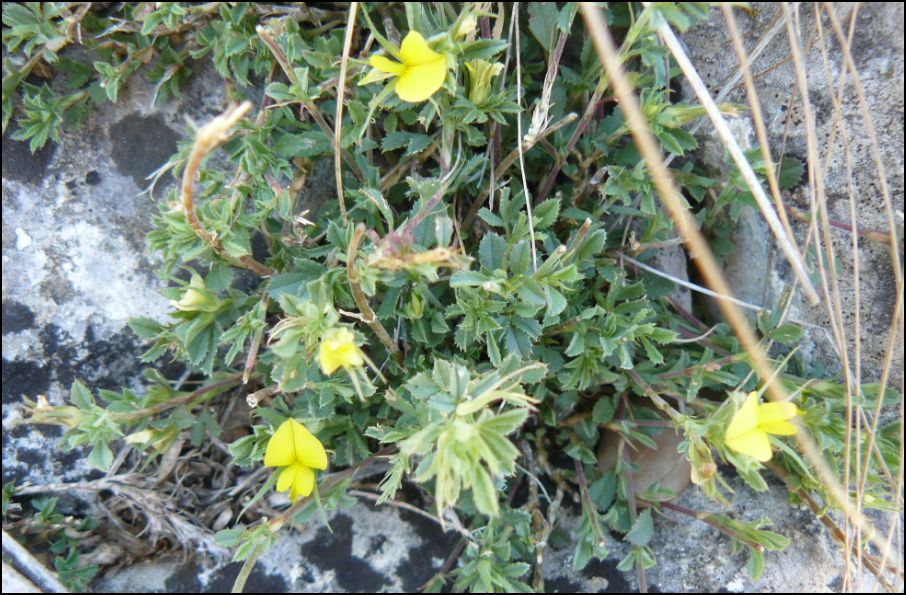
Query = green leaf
x=101 y=457
x=543 y=17
x=642 y=530
x=491 y=252
x=603 y=410
x=484 y=493
x=229 y=538
x=468 y=279
x=755 y=563
x=790 y=172
x=146 y=328
x=483 y=49
x=80 y=396
x=505 y=423
x=787 y=334
x=545 y=214
x=490 y=218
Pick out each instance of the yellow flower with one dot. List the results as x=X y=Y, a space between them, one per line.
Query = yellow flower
x=338 y=350
x=749 y=429
x=197 y=297
x=421 y=73
x=297 y=450
x=480 y=74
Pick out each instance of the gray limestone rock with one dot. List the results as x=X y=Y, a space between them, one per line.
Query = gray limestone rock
x=757 y=271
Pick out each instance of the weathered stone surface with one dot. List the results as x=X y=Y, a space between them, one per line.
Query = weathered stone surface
x=75 y=269
x=758 y=272
x=13 y=582
x=366 y=549
x=695 y=557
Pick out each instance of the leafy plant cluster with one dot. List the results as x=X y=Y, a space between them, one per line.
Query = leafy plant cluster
x=55 y=535
x=508 y=334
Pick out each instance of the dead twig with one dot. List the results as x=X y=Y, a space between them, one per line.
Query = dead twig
x=208 y=138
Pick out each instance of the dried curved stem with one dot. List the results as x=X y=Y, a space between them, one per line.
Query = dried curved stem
x=209 y=138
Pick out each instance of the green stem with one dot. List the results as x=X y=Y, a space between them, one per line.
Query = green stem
x=368 y=315
x=176 y=402
x=244 y=572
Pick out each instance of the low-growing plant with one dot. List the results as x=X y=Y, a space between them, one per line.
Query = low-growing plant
x=465 y=313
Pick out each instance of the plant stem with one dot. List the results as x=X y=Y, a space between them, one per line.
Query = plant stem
x=176 y=402
x=362 y=301
x=252 y=358
x=244 y=572
x=633 y=514
x=208 y=138
x=338 y=121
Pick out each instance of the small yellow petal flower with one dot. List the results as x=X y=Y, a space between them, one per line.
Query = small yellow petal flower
x=481 y=73
x=338 y=350
x=197 y=297
x=421 y=73
x=748 y=431
x=299 y=452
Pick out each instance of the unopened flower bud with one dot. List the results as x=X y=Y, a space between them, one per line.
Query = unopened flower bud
x=481 y=74
x=197 y=298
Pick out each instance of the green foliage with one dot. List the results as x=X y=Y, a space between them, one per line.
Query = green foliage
x=48 y=529
x=503 y=336
x=489 y=564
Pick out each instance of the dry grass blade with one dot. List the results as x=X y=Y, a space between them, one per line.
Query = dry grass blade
x=840 y=126
x=760 y=129
x=703 y=257
x=720 y=125
x=895 y=332
x=525 y=190
x=338 y=121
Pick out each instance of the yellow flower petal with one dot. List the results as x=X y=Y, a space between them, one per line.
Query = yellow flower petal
x=385 y=64
x=280 y=448
x=749 y=429
x=197 y=297
x=309 y=450
x=771 y=412
x=286 y=478
x=779 y=428
x=303 y=482
x=420 y=75
x=374 y=76
x=745 y=419
x=292 y=443
x=338 y=350
x=422 y=81
x=415 y=50
x=755 y=444
x=298 y=478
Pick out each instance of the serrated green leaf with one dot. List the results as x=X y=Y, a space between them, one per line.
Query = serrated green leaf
x=642 y=530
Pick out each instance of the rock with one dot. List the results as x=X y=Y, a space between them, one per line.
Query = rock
x=693 y=556
x=758 y=271
x=13 y=582
x=74 y=263
x=663 y=466
x=381 y=549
